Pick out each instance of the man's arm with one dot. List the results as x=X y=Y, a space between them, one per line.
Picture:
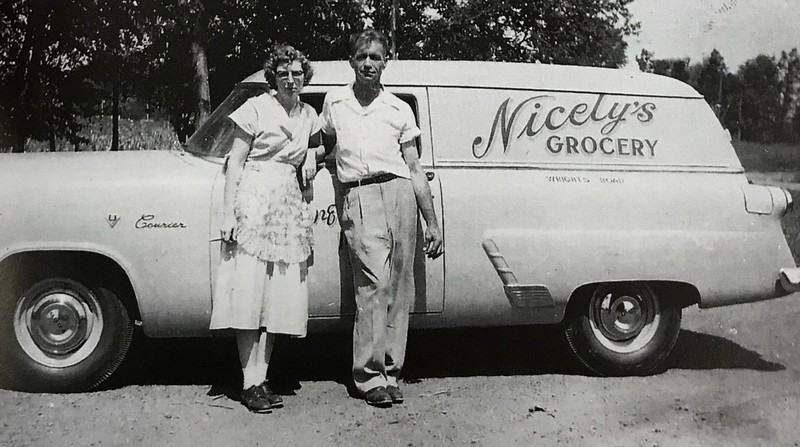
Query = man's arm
x=434 y=245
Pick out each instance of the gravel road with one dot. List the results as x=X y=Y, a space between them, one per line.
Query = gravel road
x=733 y=380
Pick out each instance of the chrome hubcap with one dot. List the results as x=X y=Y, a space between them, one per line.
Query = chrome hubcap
x=621 y=317
x=58 y=326
x=624 y=318
x=59 y=323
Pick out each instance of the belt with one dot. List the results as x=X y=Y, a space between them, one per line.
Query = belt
x=370 y=180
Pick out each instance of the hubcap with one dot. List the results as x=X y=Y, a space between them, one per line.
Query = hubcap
x=624 y=317
x=621 y=317
x=58 y=325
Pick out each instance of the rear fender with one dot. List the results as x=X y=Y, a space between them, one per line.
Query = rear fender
x=725 y=267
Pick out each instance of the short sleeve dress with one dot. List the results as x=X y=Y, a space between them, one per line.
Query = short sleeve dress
x=262 y=277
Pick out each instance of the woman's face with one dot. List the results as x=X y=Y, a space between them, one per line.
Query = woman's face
x=289 y=77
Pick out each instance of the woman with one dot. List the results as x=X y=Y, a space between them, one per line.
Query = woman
x=266 y=227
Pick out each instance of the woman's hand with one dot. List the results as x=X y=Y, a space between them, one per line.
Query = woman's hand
x=228 y=229
x=309 y=168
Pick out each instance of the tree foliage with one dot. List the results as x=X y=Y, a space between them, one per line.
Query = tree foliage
x=581 y=32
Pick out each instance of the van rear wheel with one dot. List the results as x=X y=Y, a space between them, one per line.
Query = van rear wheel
x=60 y=336
x=622 y=329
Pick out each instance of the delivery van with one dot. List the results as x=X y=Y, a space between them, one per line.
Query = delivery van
x=602 y=200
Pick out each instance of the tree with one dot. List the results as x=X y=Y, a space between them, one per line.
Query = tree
x=582 y=32
x=674 y=68
x=63 y=51
x=645 y=61
x=711 y=78
x=760 y=99
x=789 y=95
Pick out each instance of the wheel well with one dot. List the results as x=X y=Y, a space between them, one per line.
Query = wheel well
x=21 y=270
x=679 y=293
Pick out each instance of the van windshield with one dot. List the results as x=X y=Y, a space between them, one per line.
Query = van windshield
x=213 y=138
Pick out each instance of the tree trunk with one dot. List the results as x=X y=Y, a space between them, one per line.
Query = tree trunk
x=26 y=69
x=51 y=131
x=115 y=114
x=201 y=89
x=16 y=88
x=393 y=50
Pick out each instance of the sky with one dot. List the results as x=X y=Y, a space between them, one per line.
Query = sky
x=738 y=29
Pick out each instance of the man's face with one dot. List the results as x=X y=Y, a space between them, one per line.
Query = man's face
x=369 y=62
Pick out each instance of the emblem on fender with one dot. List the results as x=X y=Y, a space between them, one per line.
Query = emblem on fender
x=112 y=220
x=147 y=221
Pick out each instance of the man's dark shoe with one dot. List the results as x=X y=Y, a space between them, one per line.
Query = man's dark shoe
x=274 y=400
x=395 y=394
x=254 y=399
x=378 y=397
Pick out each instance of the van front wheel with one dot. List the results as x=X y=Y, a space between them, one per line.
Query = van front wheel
x=622 y=329
x=61 y=336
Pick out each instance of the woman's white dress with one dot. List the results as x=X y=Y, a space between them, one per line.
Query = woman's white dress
x=262 y=281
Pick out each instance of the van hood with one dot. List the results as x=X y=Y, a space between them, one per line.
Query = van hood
x=36 y=170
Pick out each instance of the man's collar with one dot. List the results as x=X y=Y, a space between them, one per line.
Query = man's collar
x=382 y=97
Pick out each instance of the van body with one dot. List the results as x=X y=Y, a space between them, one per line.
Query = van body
x=603 y=200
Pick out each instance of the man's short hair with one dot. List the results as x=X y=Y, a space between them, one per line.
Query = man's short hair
x=366 y=37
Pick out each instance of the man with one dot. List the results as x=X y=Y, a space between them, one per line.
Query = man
x=382 y=187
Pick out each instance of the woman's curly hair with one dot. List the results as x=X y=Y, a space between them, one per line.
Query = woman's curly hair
x=285 y=54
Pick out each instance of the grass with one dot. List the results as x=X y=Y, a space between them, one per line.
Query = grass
x=134 y=135
x=763 y=157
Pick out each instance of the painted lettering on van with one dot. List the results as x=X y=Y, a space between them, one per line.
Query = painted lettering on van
x=556 y=117
x=608 y=146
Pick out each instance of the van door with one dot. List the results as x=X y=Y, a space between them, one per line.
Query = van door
x=331 y=285
x=428 y=273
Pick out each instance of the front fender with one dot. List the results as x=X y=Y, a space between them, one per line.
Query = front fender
x=149 y=211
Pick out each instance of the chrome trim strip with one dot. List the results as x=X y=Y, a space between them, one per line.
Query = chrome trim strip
x=552 y=166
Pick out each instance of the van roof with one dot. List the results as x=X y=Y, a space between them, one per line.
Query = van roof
x=510 y=75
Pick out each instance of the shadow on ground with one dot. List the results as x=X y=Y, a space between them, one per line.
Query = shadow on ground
x=695 y=350
x=431 y=353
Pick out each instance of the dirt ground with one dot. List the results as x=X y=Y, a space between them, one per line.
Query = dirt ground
x=733 y=379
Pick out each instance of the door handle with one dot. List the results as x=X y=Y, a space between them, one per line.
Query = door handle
x=430 y=175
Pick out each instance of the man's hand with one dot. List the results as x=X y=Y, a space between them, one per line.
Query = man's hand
x=434 y=245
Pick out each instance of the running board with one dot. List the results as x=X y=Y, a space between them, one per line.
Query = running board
x=519 y=295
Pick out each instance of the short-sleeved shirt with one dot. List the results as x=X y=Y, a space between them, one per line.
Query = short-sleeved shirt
x=368 y=138
x=277 y=136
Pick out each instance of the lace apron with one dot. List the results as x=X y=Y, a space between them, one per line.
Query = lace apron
x=261 y=281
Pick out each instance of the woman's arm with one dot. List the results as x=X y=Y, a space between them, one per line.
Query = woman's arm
x=236 y=158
